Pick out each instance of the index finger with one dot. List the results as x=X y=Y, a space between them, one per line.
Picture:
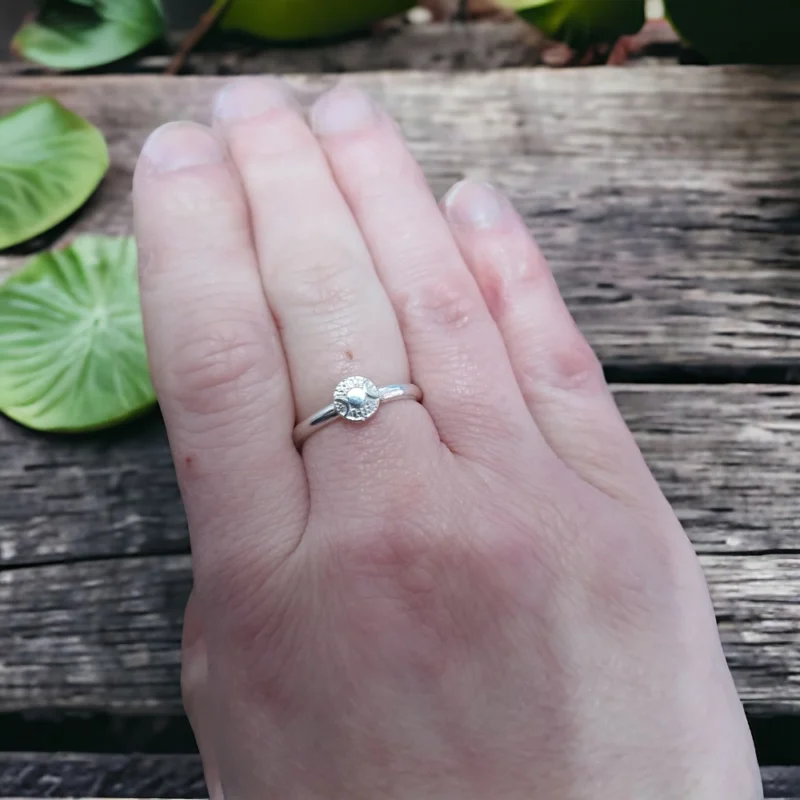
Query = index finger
x=215 y=354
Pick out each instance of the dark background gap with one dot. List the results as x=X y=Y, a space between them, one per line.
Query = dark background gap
x=777 y=738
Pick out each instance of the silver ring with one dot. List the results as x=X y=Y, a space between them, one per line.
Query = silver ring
x=355 y=399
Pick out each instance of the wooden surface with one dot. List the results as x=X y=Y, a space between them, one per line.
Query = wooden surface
x=68 y=775
x=433 y=46
x=723 y=455
x=92 y=776
x=668 y=201
x=95 y=548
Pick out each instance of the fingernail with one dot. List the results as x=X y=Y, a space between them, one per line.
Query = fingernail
x=475 y=205
x=178 y=145
x=342 y=110
x=248 y=97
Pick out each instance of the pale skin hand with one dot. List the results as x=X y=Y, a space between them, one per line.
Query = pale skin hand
x=483 y=596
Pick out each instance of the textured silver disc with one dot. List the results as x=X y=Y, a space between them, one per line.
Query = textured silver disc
x=356 y=399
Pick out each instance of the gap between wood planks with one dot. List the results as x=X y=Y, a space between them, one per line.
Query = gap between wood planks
x=776 y=738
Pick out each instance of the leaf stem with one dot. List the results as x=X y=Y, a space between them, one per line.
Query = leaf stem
x=191 y=40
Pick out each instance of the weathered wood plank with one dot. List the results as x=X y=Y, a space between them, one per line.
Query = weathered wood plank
x=733 y=483
x=667 y=198
x=40 y=775
x=99 y=635
x=433 y=46
x=88 y=775
x=781 y=782
x=105 y=635
x=106 y=494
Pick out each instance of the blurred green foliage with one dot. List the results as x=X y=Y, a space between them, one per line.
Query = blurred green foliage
x=78 y=34
x=581 y=23
x=297 y=20
x=724 y=31
x=51 y=160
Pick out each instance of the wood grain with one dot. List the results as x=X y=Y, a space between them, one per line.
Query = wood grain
x=83 y=628
x=105 y=635
x=72 y=498
x=35 y=775
x=88 y=775
x=733 y=483
x=668 y=199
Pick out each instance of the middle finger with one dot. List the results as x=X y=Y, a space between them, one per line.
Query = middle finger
x=334 y=315
x=457 y=354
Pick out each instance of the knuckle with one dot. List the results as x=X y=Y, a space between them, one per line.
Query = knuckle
x=268 y=138
x=570 y=365
x=186 y=197
x=576 y=366
x=395 y=573
x=221 y=364
x=189 y=196
x=426 y=595
x=449 y=304
x=376 y=157
x=322 y=290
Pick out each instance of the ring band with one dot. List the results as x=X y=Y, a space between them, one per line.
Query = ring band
x=355 y=399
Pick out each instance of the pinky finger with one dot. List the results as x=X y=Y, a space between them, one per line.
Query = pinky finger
x=560 y=377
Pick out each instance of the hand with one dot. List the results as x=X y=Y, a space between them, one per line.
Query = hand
x=482 y=596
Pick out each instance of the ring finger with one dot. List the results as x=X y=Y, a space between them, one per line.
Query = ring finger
x=455 y=347
x=334 y=315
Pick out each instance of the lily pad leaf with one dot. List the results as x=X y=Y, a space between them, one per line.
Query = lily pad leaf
x=740 y=31
x=71 y=338
x=582 y=23
x=297 y=20
x=51 y=161
x=78 y=34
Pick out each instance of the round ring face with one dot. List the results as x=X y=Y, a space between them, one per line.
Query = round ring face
x=356 y=399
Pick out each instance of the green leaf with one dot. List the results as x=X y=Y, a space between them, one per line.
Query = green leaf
x=73 y=353
x=296 y=20
x=581 y=23
x=51 y=161
x=740 y=31
x=77 y=34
